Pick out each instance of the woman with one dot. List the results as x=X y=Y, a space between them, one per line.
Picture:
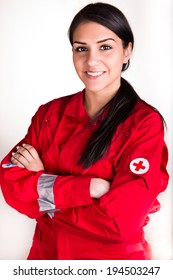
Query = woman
x=92 y=164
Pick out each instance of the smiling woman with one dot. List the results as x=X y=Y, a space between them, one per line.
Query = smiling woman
x=93 y=163
x=98 y=56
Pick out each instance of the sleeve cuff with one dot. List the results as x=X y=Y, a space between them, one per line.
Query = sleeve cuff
x=45 y=192
x=72 y=191
x=82 y=191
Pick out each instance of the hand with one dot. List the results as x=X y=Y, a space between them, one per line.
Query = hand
x=99 y=187
x=26 y=156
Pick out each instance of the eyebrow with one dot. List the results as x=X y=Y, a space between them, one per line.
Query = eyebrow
x=98 y=42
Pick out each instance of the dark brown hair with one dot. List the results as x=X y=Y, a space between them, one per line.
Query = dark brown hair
x=108 y=16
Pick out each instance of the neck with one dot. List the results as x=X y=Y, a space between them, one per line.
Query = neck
x=94 y=102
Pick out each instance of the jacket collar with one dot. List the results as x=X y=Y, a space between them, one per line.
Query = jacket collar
x=75 y=107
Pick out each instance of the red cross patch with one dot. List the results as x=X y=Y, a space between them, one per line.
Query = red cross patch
x=139 y=165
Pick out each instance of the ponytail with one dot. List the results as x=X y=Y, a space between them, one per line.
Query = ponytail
x=119 y=108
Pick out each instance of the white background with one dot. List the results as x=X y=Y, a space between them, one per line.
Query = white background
x=36 y=66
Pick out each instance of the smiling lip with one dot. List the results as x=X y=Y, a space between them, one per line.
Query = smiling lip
x=94 y=74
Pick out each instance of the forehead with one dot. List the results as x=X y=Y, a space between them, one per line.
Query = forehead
x=92 y=31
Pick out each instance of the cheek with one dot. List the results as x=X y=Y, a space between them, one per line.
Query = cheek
x=74 y=60
x=77 y=63
x=116 y=64
x=78 y=66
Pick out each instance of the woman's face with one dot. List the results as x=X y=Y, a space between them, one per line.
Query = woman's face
x=98 y=56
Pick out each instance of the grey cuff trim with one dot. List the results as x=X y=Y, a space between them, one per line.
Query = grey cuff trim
x=45 y=192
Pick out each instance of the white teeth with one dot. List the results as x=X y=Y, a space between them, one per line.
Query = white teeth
x=94 y=74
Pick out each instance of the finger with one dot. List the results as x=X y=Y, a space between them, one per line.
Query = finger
x=33 y=152
x=24 y=152
x=16 y=162
x=19 y=160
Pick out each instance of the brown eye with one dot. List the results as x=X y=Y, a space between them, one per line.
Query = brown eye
x=105 y=47
x=81 y=49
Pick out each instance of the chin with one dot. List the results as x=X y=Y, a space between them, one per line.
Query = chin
x=94 y=89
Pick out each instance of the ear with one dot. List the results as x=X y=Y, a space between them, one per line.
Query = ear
x=127 y=52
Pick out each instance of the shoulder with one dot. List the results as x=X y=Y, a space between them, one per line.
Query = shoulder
x=143 y=106
x=144 y=114
x=57 y=105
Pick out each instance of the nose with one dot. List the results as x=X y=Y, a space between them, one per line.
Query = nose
x=93 y=58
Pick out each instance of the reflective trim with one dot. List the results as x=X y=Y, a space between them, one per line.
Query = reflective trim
x=45 y=192
x=51 y=215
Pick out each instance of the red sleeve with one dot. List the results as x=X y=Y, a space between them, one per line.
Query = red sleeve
x=67 y=191
x=133 y=195
x=123 y=211
x=20 y=186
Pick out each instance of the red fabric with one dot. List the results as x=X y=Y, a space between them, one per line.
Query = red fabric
x=85 y=228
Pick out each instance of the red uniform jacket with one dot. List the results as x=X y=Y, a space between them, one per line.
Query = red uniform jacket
x=70 y=224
